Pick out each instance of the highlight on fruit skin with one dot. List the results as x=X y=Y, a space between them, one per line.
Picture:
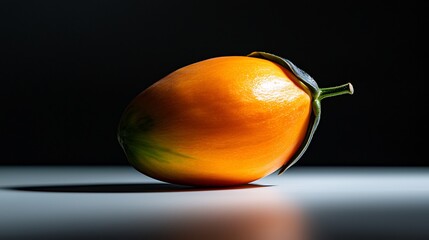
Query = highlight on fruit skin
x=224 y=121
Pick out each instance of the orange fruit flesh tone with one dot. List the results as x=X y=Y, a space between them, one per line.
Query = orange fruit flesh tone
x=222 y=121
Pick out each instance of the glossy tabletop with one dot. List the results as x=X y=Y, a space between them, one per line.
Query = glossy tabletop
x=117 y=202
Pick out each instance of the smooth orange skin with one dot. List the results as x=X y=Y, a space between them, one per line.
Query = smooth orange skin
x=237 y=118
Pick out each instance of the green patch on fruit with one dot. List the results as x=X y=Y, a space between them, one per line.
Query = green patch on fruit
x=134 y=137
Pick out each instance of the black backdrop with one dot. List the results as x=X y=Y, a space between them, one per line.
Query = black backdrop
x=69 y=68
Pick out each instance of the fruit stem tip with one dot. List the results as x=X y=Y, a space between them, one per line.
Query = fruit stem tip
x=336 y=91
x=351 y=89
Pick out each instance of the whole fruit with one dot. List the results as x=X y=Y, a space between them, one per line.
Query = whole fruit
x=223 y=121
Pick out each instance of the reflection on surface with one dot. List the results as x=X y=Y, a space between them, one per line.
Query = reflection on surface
x=231 y=214
x=257 y=217
x=251 y=214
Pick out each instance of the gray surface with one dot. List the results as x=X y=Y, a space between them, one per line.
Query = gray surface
x=304 y=203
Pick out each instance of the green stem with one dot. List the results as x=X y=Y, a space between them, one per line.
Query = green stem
x=335 y=91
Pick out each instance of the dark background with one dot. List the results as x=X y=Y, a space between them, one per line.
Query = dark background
x=69 y=68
